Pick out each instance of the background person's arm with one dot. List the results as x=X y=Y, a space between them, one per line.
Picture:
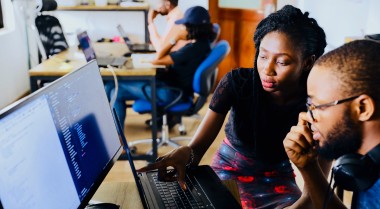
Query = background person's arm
x=154 y=36
x=163 y=57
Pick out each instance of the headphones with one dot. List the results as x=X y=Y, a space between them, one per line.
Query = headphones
x=355 y=172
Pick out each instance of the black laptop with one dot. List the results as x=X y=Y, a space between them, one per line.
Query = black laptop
x=134 y=47
x=89 y=53
x=205 y=189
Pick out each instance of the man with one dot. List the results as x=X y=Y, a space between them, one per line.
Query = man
x=349 y=76
x=170 y=9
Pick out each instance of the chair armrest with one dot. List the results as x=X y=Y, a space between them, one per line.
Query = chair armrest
x=173 y=89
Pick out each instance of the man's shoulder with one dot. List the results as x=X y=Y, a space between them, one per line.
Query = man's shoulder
x=370 y=198
x=175 y=14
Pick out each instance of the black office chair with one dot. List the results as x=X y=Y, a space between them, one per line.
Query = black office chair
x=50 y=31
x=203 y=83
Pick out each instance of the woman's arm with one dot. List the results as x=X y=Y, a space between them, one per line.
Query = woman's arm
x=163 y=57
x=206 y=134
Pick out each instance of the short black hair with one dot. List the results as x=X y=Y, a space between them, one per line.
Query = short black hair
x=173 y=2
x=356 y=65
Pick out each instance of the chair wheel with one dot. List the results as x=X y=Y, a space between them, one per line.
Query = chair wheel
x=133 y=149
x=182 y=133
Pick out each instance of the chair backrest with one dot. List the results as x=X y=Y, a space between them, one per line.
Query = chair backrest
x=205 y=74
x=216 y=29
x=50 y=30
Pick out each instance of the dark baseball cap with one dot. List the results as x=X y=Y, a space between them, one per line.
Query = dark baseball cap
x=195 y=15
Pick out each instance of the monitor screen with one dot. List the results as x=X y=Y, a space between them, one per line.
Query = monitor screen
x=85 y=44
x=58 y=144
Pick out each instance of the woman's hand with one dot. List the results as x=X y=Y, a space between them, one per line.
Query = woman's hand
x=177 y=159
x=299 y=143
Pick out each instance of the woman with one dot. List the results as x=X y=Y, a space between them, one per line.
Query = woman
x=181 y=63
x=264 y=103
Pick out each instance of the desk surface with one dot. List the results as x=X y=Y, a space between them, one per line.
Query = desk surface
x=73 y=58
x=104 y=8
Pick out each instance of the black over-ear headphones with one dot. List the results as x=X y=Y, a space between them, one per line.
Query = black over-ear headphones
x=355 y=172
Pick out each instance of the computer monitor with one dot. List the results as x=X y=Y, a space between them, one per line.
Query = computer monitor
x=85 y=44
x=58 y=144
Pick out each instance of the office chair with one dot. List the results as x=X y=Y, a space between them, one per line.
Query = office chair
x=216 y=29
x=51 y=38
x=203 y=82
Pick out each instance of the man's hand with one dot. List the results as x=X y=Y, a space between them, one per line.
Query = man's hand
x=152 y=14
x=299 y=143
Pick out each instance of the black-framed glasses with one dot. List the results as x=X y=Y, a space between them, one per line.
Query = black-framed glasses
x=310 y=106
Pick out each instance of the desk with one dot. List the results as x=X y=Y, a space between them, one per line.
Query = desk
x=143 y=8
x=56 y=67
x=126 y=195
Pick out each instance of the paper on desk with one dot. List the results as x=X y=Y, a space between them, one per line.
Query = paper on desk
x=144 y=61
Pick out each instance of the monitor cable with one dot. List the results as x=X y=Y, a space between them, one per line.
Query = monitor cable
x=114 y=95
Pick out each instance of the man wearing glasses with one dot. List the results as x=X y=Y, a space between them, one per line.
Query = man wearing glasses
x=343 y=123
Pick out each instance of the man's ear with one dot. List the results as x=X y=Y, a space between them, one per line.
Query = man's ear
x=309 y=62
x=364 y=107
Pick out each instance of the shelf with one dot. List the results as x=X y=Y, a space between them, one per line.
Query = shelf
x=143 y=7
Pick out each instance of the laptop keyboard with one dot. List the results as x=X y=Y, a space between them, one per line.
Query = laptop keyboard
x=174 y=197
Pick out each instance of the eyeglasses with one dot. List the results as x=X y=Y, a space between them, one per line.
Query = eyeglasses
x=310 y=106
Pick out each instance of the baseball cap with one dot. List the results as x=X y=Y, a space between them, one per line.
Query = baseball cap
x=195 y=15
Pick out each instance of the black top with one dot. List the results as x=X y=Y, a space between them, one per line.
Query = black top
x=235 y=93
x=186 y=61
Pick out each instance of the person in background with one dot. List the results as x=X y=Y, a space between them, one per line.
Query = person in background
x=264 y=102
x=170 y=9
x=344 y=113
x=182 y=63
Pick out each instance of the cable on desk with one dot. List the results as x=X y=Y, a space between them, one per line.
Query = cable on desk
x=113 y=97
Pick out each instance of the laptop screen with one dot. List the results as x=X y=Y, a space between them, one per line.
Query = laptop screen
x=124 y=35
x=58 y=144
x=85 y=44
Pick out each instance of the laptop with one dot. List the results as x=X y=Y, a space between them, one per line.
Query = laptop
x=205 y=189
x=58 y=144
x=133 y=47
x=89 y=53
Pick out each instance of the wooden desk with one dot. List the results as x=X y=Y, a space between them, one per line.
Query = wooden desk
x=126 y=195
x=72 y=59
x=138 y=8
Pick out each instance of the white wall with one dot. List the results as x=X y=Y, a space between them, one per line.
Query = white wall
x=103 y=24
x=14 y=79
x=344 y=18
x=373 y=21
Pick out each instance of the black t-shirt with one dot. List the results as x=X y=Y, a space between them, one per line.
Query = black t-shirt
x=186 y=61
x=235 y=93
